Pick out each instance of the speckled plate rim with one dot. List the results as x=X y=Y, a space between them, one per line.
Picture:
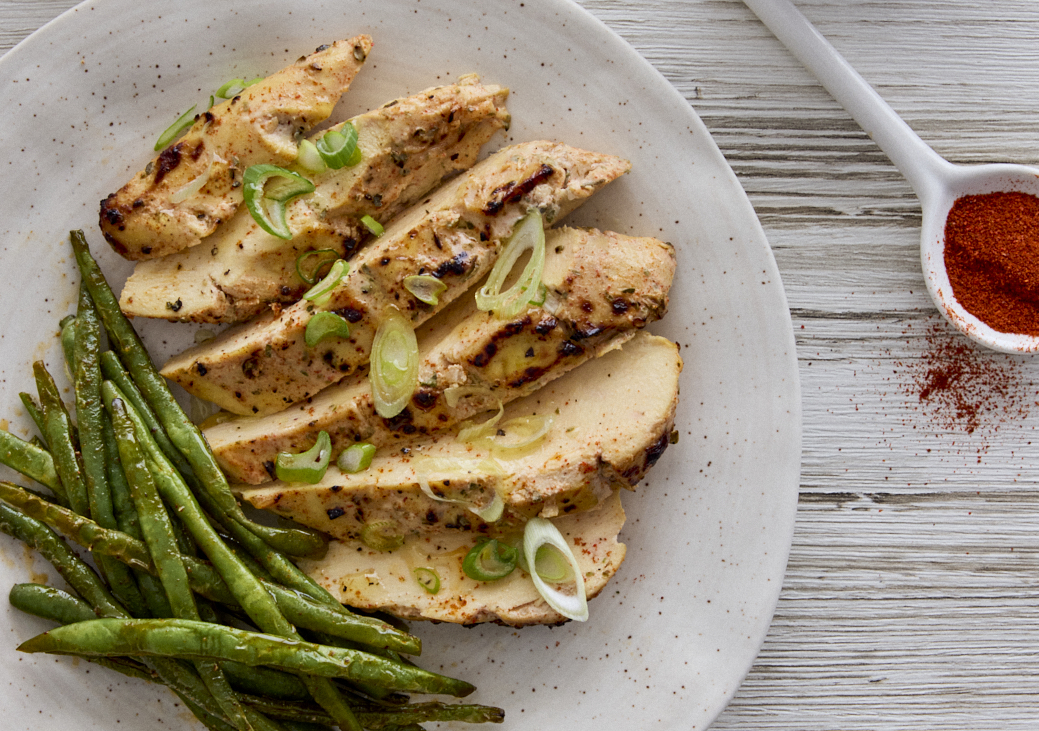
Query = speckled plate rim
x=708 y=533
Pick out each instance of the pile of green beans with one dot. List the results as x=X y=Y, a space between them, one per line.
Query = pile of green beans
x=187 y=590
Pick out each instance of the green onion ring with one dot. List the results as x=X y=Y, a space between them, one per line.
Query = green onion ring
x=308 y=158
x=267 y=206
x=306 y=466
x=427 y=578
x=489 y=513
x=425 y=288
x=528 y=234
x=373 y=226
x=312 y=275
x=325 y=325
x=394 y=359
x=550 y=563
x=382 y=535
x=469 y=432
x=321 y=292
x=489 y=561
x=356 y=458
x=537 y=533
x=338 y=147
x=234 y=87
x=519 y=433
x=174 y=130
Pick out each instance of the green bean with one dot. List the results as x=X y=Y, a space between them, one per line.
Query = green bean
x=50 y=603
x=59 y=437
x=86 y=352
x=183 y=638
x=35 y=413
x=265 y=681
x=297 y=608
x=182 y=432
x=63 y=608
x=78 y=575
x=33 y=462
x=127 y=522
x=211 y=722
x=376 y=718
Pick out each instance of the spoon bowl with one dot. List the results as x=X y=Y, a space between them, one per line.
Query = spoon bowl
x=956 y=181
x=937 y=182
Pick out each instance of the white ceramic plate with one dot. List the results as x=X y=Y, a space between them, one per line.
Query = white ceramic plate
x=708 y=533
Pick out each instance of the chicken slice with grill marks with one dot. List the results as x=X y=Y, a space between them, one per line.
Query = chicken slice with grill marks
x=602 y=288
x=454 y=235
x=385 y=580
x=409 y=146
x=612 y=419
x=147 y=218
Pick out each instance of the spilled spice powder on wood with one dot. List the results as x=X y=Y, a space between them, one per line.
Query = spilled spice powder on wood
x=966 y=388
x=992 y=257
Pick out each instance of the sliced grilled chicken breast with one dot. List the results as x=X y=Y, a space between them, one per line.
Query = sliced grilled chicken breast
x=408 y=146
x=148 y=218
x=611 y=420
x=455 y=235
x=602 y=288
x=384 y=580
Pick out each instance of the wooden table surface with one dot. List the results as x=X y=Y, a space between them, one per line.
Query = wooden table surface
x=911 y=598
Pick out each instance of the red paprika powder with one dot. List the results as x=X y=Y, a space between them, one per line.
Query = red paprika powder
x=992 y=257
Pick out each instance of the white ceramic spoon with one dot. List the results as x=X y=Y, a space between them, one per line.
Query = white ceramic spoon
x=936 y=181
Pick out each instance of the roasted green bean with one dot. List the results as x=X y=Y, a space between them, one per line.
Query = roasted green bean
x=59 y=436
x=181 y=638
x=32 y=461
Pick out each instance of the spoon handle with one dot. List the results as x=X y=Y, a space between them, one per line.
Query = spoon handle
x=922 y=166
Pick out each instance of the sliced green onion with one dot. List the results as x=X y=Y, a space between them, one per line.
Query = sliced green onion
x=372 y=225
x=234 y=87
x=174 y=130
x=382 y=535
x=426 y=288
x=321 y=292
x=356 y=458
x=325 y=325
x=338 y=147
x=189 y=189
x=519 y=433
x=267 y=206
x=529 y=235
x=470 y=432
x=489 y=513
x=308 y=158
x=309 y=272
x=427 y=578
x=490 y=561
x=550 y=564
x=540 y=532
x=306 y=466
x=394 y=364
x=454 y=394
